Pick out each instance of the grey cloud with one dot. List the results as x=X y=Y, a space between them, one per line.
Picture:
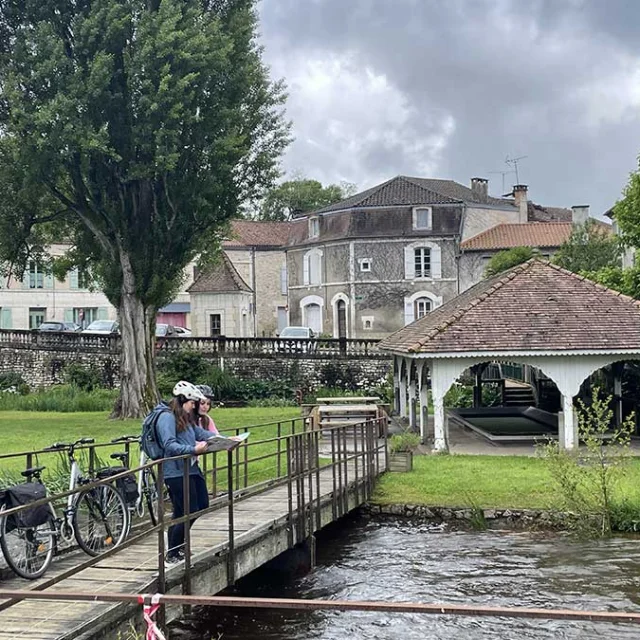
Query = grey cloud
x=471 y=81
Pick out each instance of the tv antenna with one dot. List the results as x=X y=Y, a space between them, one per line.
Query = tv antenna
x=503 y=174
x=514 y=163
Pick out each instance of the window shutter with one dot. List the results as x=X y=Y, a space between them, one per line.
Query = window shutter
x=408 y=313
x=68 y=315
x=73 y=278
x=283 y=280
x=48 y=281
x=305 y=269
x=436 y=263
x=409 y=263
x=103 y=313
x=5 y=319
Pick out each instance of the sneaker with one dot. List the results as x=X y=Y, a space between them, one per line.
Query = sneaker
x=173 y=559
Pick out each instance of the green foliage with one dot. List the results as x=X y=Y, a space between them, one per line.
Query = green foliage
x=477 y=518
x=13 y=382
x=625 y=281
x=135 y=130
x=590 y=248
x=461 y=395
x=64 y=399
x=587 y=480
x=506 y=259
x=84 y=378
x=627 y=211
x=404 y=442
x=301 y=195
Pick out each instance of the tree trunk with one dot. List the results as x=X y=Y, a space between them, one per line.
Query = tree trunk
x=138 y=391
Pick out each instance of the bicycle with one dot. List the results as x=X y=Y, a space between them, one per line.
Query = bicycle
x=146 y=482
x=97 y=518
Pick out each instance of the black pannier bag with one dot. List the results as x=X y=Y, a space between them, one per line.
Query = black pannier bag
x=127 y=485
x=23 y=494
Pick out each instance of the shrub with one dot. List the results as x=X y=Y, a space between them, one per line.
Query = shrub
x=85 y=378
x=13 y=382
x=405 y=441
x=65 y=399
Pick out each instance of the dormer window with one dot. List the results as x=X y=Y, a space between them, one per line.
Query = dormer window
x=422 y=218
x=314 y=227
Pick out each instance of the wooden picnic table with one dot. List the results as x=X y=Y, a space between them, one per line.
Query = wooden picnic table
x=348 y=399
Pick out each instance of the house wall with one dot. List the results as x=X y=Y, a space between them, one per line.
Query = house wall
x=233 y=308
x=262 y=270
x=375 y=299
x=476 y=219
x=474 y=263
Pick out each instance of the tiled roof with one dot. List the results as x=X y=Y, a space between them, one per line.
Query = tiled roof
x=538 y=213
x=250 y=233
x=407 y=191
x=535 y=306
x=219 y=278
x=531 y=234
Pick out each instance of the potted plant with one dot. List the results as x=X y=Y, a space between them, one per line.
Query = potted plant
x=401 y=448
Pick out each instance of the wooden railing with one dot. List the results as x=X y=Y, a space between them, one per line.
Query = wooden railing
x=221 y=345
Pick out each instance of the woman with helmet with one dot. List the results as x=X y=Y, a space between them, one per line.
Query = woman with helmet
x=177 y=435
x=203 y=419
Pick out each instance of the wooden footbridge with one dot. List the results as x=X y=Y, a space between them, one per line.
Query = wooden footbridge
x=274 y=492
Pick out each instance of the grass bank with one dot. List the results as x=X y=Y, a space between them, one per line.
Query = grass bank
x=516 y=482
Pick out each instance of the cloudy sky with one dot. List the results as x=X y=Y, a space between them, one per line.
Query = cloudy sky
x=450 y=88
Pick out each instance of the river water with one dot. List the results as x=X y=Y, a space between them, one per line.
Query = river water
x=366 y=560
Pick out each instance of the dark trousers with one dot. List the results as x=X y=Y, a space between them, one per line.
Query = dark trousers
x=198 y=500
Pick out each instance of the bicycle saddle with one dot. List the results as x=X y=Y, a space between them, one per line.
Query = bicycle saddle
x=32 y=471
x=119 y=455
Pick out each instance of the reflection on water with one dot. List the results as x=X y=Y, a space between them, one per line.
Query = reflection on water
x=400 y=562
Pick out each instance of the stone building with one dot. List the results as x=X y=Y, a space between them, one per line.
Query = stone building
x=377 y=261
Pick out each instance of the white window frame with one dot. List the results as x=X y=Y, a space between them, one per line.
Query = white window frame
x=365 y=265
x=314 y=227
x=409 y=304
x=416 y=304
x=309 y=300
x=416 y=213
x=334 y=305
x=365 y=320
x=409 y=260
x=422 y=256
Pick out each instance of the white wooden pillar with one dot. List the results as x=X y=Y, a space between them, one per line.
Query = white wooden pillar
x=423 y=396
x=440 y=428
x=413 y=423
x=403 y=389
x=568 y=434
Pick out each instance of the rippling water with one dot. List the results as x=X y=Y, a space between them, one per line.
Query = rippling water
x=401 y=562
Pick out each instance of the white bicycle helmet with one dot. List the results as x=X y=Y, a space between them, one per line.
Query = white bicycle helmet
x=188 y=390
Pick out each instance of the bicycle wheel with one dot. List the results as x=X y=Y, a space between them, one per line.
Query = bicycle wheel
x=28 y=551
x=150 y=490
x=100 y=519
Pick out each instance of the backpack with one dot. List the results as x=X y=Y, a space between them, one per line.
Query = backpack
x=149 y=438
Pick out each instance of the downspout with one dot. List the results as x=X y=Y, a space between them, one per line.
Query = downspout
x=253 y=289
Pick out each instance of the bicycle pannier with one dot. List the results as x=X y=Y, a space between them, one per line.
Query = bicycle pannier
x=23 y=494
x=127 y=485
x=149 y=439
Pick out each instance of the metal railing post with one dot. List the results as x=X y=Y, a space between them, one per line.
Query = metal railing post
x=290 y=492
x=279 y=452
x=162 y=584
x=316 y=438
x=186 y=500
x=334 y=506
x=231 y=560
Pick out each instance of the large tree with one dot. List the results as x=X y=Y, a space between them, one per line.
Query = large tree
x=301 y=195
x=138 y=127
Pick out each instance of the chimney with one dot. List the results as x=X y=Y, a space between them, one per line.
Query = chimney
x=579 y=213
x=480 y=188
x=520 y=195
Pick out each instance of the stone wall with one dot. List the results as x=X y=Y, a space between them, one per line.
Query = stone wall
x=43 y=366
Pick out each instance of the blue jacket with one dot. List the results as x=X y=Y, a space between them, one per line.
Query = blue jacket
x=177 y=444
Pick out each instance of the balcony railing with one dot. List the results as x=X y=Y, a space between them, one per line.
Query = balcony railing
x=220 y=345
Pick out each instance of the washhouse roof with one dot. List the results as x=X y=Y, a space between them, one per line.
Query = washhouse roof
x=534 y=307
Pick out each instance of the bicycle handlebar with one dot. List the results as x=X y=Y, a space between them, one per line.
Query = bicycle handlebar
x=60 y=446
x=126 y=439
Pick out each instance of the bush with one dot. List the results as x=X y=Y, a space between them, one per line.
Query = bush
x=86 y=379
x=405 y=441
x=65 y=399
x=13 y=382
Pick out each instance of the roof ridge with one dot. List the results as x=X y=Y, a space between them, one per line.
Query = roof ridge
x=502 y=279
x=412 y=181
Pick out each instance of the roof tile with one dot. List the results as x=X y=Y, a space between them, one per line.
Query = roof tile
x=221 y=277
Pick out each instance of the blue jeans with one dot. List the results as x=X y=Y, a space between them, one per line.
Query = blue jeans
x=198 y=500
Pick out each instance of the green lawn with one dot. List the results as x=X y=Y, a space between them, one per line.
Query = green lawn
x=484 y=481
x=29 y=431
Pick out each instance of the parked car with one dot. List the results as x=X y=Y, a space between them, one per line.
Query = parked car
x=63 y=327
x=182 y=332
x=103 y=327
x=292 y=339
x=165 y=331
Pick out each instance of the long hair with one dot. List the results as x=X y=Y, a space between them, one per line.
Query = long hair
x=183 y=419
